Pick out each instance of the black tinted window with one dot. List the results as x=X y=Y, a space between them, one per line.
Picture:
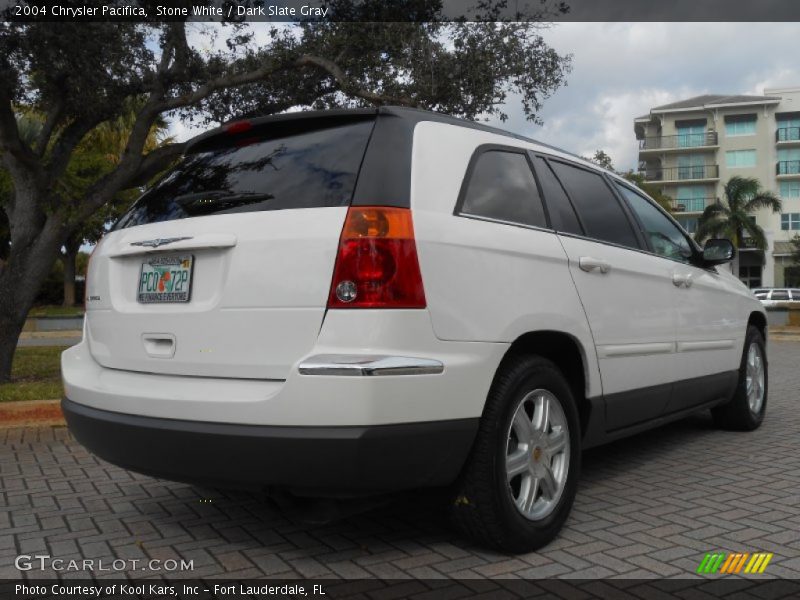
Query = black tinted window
x=559 y=208
x=501 y=186
x=311 y=169
x=600 y=212
x=780 y=295
x=663 y=236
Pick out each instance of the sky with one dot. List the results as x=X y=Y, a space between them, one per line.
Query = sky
x=621 y=70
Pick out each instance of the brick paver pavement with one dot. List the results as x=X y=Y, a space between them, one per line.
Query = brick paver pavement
x=649 y=506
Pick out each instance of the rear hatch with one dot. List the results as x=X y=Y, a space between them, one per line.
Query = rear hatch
x=223 y=268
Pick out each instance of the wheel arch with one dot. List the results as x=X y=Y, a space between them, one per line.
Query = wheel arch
x=567 y=353
x=758 y=320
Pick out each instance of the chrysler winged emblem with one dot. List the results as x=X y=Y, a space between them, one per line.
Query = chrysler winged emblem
x=159 y=242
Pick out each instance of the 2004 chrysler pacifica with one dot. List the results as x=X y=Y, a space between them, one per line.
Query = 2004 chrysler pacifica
x=354 y=302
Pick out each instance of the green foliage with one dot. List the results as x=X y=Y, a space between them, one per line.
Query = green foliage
x=731 y=220
x=35 y=375
x=601 y=159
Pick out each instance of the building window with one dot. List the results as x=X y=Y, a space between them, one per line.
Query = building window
x=791 y=278
x=736 y=125
x=788 y=129
x=750 y=276
x=788 y=161
x=790 y=189
x=738 y=159
x=691 y=198
x=691 y=134
x=691 y=166
x=790 y=221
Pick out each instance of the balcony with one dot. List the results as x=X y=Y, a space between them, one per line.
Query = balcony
x=691 y=205
x=787 y=135
x=787 y=168
x=668 y=174
x=679 y=142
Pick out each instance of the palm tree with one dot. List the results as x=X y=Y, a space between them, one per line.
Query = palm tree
x=733 y=220
x=744 y=196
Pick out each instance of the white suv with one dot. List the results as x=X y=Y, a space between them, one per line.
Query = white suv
x=775 y=296
x=342 y=303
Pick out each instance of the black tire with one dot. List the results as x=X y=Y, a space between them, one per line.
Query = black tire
x=483 y=505
x=736 y=415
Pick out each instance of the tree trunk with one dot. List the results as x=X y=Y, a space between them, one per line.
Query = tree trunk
x=10 y=328
x=68 y=259
x=29 y=262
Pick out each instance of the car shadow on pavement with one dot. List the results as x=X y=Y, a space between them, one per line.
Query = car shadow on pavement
x=398 y=524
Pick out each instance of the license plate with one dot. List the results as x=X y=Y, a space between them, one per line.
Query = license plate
x=166 y=279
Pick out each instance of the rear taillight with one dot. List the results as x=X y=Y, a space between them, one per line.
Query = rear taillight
x=377 y=265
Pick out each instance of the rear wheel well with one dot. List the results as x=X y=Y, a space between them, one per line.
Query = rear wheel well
x=758 y=320
x=565 y=352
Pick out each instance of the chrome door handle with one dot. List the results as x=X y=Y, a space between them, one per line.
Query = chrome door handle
x=589 y=264
x=682 y=279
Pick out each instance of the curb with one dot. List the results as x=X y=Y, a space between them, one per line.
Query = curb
x=31 y=412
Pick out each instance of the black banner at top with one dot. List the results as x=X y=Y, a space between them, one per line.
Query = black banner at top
x=397 y=10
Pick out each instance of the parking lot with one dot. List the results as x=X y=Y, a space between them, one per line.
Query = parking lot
x=650 y=506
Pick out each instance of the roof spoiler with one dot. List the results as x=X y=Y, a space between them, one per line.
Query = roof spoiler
x=275 y=126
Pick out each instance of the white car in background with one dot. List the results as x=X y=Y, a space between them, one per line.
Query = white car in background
x=355 y=302
x=774 y=296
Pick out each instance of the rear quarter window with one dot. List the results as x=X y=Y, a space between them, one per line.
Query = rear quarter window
x=310 y=169
x=500 y=186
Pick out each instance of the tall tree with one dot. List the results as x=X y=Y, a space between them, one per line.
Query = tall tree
x=80 y=75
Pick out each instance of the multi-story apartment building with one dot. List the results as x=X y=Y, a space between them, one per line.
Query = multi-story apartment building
x=691 y=148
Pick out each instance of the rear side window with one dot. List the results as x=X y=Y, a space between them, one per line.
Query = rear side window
x=312 y=169
x=501 y=186
x=599 y=210
x=780 y=295
x=559 y=208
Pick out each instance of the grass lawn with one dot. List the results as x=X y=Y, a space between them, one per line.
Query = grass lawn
x=56 y=311
x=35 y=375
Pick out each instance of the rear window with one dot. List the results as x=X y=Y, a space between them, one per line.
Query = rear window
x=310 y=169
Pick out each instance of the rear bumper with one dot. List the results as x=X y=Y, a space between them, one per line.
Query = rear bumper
x=314 y=461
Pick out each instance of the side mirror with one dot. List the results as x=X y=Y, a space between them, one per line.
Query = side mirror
x=718 y=251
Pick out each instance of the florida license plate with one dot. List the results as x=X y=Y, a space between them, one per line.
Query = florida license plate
x=166 y=279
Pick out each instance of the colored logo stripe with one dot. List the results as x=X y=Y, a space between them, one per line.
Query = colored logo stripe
x=734 y=562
